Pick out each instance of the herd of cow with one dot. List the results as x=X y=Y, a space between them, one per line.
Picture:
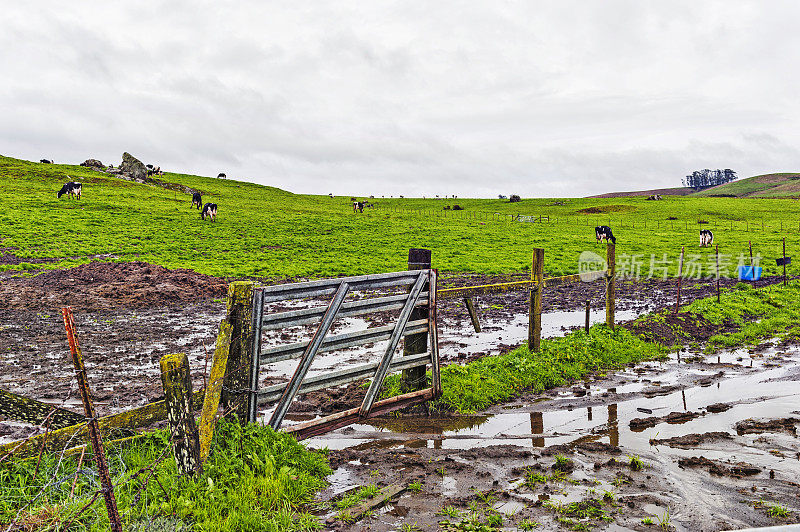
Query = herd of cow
x=209 y=210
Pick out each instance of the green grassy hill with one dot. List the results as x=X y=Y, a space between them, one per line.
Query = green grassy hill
x=764 y=186
x=267 y=232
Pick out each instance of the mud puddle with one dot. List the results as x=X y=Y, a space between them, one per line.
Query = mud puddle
x=705 y=398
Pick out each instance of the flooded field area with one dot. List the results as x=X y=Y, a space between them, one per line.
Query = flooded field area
x=693 y=443
x=716 y=437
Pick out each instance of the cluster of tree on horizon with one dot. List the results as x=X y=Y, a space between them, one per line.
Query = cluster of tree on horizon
x=708 y=178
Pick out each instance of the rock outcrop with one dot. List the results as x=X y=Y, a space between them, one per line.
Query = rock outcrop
x=133 y=167
x=92 y=163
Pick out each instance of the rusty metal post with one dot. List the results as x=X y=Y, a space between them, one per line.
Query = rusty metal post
x=414 y=378
x=680 y=276
x=236 y=386
x=535 y=302
x=611 y=276
x=94 y=430
x=178 y=393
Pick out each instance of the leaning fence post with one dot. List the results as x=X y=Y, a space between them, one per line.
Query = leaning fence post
x=414 y=378
x=473 y=314
x=610 y=286
x=236 y=386
x=178 y=394
x=214 y=389
x=535 y=301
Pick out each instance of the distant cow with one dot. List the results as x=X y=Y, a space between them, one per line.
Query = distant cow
x=210 y=211
x=706 y=238
x=197 y=199
x=71 y=188
x=604 y=233
x=654 y=197
x=222 y=176
x=358 y=206
x=154 y=171
x=45 y=161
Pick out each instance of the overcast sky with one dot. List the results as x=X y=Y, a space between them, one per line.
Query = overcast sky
x=555 y=98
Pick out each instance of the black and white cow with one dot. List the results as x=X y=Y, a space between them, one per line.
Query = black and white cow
x=45 y=161
x=71 y=188
x=197 y=199
x=706 y=238
x=209 y=211
x=358 y=206
x=603 y=232
x=222 y=176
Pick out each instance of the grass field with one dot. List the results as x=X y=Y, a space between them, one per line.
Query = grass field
x=267 y=232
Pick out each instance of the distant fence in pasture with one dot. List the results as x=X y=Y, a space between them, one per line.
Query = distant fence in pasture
x=593 y=220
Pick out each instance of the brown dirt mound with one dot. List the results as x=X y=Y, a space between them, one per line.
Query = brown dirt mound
x=104 y=285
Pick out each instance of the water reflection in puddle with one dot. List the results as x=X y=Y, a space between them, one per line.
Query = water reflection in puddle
x=753 y=394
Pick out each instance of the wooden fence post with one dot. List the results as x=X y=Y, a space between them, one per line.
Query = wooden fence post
x=415 y=378
x=535 y=302
x=178 y=394
x=784 y=261
x=214 y=389
x=236 y=386
x=473 y=314
x=716 y=252
x=680 y=277
x=610 y=284
x=588 y=310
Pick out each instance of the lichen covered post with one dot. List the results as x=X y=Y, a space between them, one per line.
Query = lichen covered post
x=236 y=386
x=535 y=301
x=611 y=276
x=415 y=378
x=178 y=393
x=214 y=389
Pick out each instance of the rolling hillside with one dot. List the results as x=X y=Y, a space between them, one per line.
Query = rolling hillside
x=266 y=232
x=761 y=186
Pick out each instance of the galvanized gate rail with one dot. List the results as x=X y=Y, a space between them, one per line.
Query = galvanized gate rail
x=421 y=286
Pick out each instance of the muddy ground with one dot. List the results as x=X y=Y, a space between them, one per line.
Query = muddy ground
x=129 y=315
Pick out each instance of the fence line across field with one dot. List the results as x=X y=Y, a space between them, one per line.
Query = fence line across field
x=592 y=220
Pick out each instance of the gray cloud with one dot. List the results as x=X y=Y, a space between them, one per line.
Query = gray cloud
x=539 y=98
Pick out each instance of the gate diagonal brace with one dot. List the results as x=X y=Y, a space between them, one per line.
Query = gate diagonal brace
x=383 y=367
x=305 y=362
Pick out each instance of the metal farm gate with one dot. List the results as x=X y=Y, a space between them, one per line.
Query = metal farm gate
x=351 y=296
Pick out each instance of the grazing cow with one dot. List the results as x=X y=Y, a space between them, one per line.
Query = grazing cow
x=149 y=166
x=45 y=161
x=358 y=206
x=706 y=238
x=210 y=211
x=197 y=199
x=222 y=176
x=604 y=233
x=71 y=188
